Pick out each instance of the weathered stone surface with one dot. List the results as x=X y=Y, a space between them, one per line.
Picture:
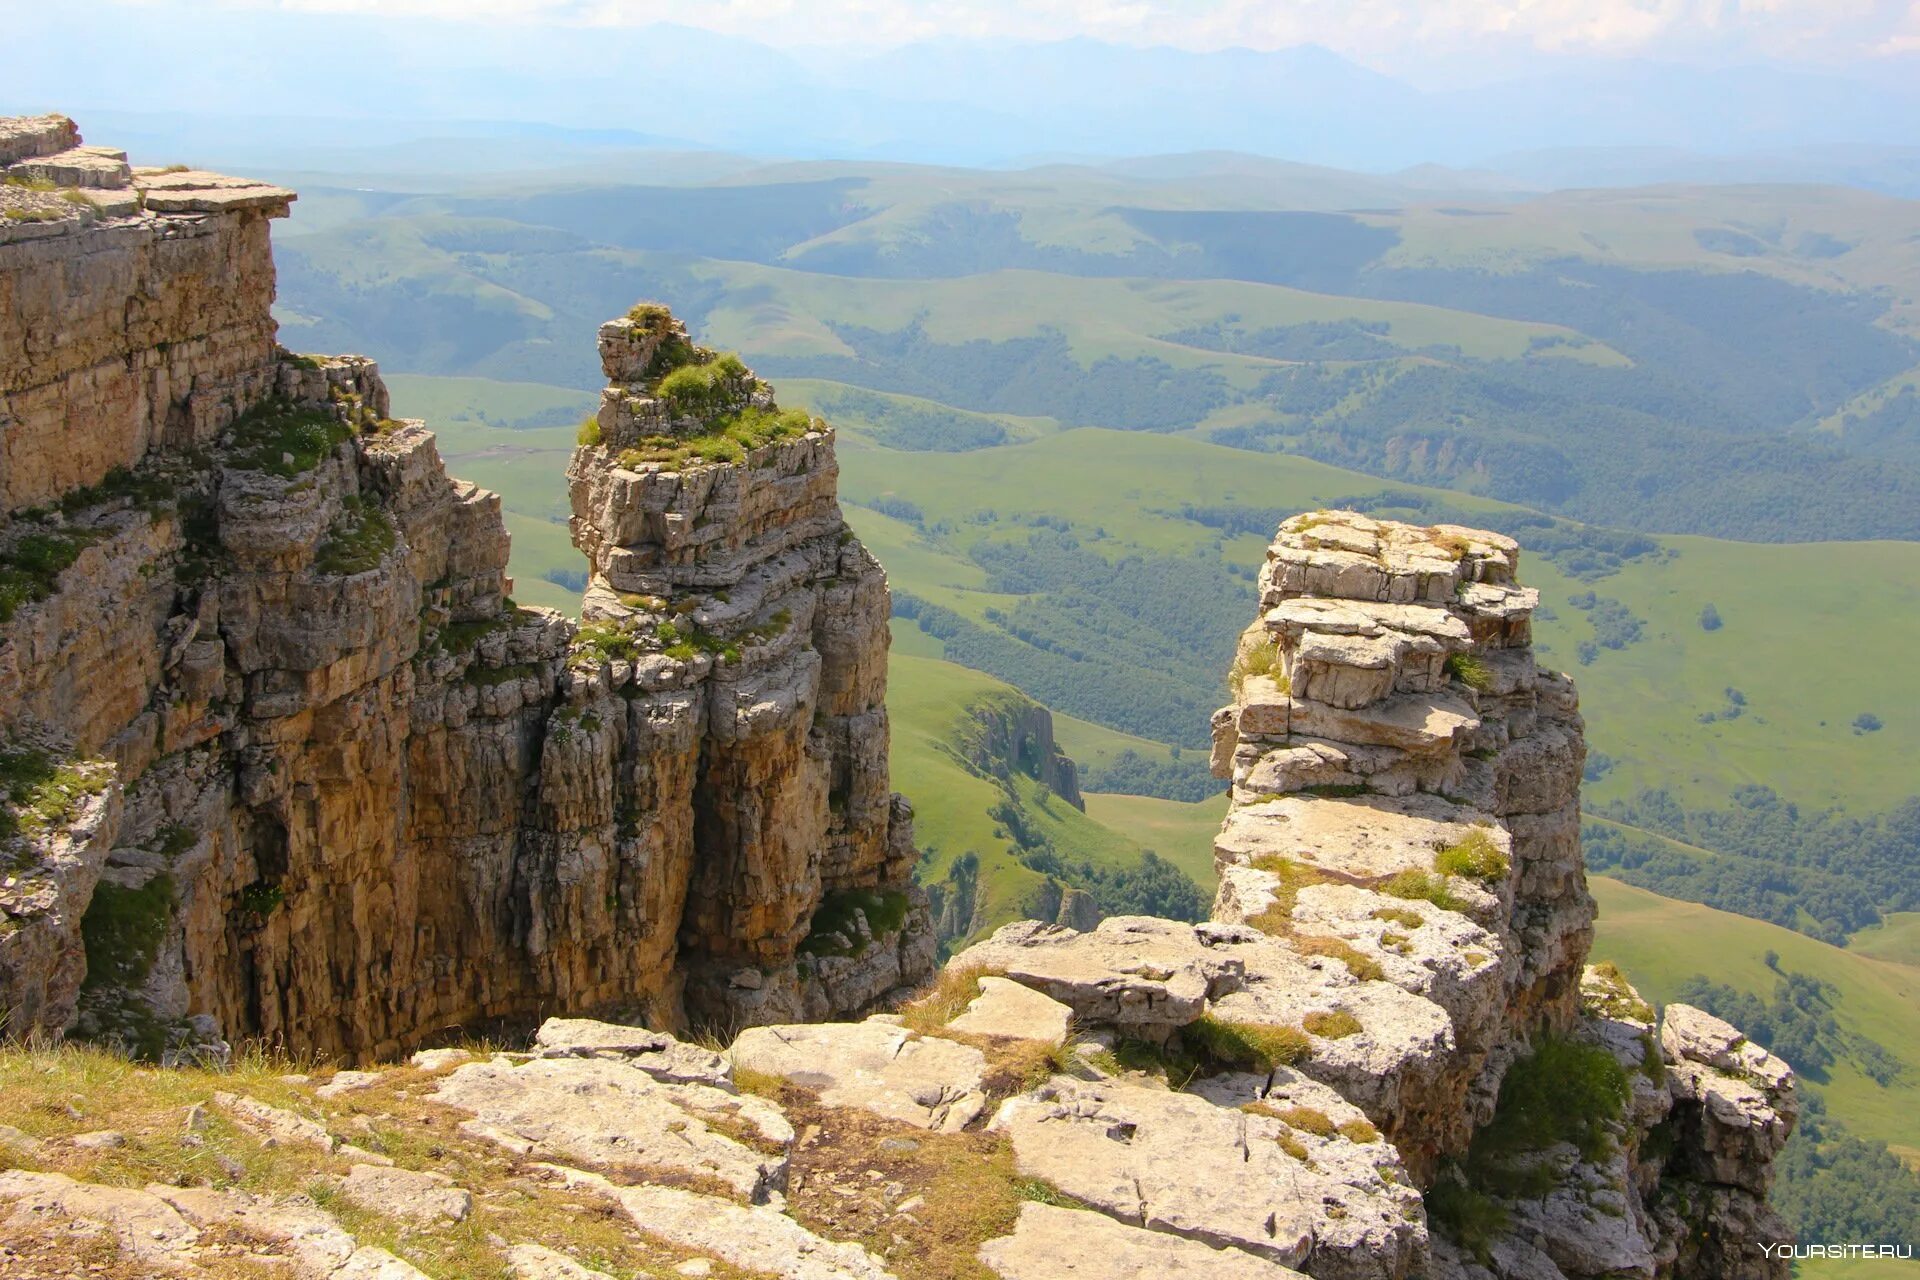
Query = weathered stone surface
x=408 y=806
x=654 y=1052
x=420 y=1197
x=1007 y=1009
x=608 y=1115
x=1050 y=1243
x=1129 y=971
x=537 y=1262
x=755 y=1239
x=1181 y=1164
x=275 y=1126
x=876 y=1066
x=1734 y=1098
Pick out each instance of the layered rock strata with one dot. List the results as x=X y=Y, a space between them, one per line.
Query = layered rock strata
x=1402 y=924
x=284 y=761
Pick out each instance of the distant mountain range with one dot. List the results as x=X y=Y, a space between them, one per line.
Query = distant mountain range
x=385 y=81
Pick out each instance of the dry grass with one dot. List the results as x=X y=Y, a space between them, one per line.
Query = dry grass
x=1260 y=1046
x=952 y=991
x=1360 y=1131
x=1357 y=962
x=1400 y=916
x=53 y=1093
x=967 y=1182
x=1330 y=1024
x=1292 y=877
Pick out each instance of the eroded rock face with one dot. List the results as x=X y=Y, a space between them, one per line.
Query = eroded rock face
x=1402 y=916
x=351 y=796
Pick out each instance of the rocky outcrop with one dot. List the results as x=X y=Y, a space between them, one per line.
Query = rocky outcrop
x=284 y=760
x=1015 y=734
x=1397 y=951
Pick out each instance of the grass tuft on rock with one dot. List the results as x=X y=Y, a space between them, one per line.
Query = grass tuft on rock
x=1259 y=1046
x=1357 y=962
x=1473 y=856
x=1334 y=1024
x=284 y=439
x=1425 y=886
x=358 y=541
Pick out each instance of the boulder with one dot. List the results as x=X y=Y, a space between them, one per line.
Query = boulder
x=610 y=1115
x=1010 y=1011
x=1137 y=973
x=1177 y=1163
x=654 y=1052
x=877 y=1066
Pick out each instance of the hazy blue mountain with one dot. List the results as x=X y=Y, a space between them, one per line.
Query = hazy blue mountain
x=974 y=102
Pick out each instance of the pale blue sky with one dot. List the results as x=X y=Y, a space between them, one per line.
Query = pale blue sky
x=1395 y=35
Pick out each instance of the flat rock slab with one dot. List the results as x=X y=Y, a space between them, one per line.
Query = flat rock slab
x=1131 y=971
x=654 y=1052
x=1010 y=1011
x=754 y=1239
x=1050 y=1243
x=876 y=1066
x=1360 y=839
x=537 y=1262
x=1405 y=1042
x=606 y=1113
x=404 y=1193
x=275 y=1126
x=318 y=1244
x=147 y=1229
x=1180 y=1164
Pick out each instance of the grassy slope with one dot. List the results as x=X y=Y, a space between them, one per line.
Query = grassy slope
x=1813 y=632
x=926 y=699
x=783 y=312
x=1660 y=943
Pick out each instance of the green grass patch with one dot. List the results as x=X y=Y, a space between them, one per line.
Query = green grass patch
x=284 y=439
x=1469 y=671
x=123 y=929
x=1424 y=886
x=1260 y=658
x=728 y=438
x=1474 y=856
x=358 y=540
x=30 y=569
x=1259 y=1046
x=43 y=791
x=835 y=930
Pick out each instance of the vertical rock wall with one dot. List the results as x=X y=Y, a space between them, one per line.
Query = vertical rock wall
x=1401 y=933
x=283 y=759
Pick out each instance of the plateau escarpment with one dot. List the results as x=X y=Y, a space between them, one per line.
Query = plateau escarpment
x=1382 y=1058
x=284 y=761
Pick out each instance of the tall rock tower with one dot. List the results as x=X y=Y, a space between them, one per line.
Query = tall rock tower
x=283 y=760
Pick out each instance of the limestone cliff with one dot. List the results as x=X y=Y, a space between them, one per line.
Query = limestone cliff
x=283 y=760
x=1397 y=957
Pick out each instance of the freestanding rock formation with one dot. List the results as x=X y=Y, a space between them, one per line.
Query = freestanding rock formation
x=1398 y=950
x=282 y=759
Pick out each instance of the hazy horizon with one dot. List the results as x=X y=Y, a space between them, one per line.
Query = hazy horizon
x=1312 y=88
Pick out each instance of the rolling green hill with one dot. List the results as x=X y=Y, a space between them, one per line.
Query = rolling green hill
x=1660 y=943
